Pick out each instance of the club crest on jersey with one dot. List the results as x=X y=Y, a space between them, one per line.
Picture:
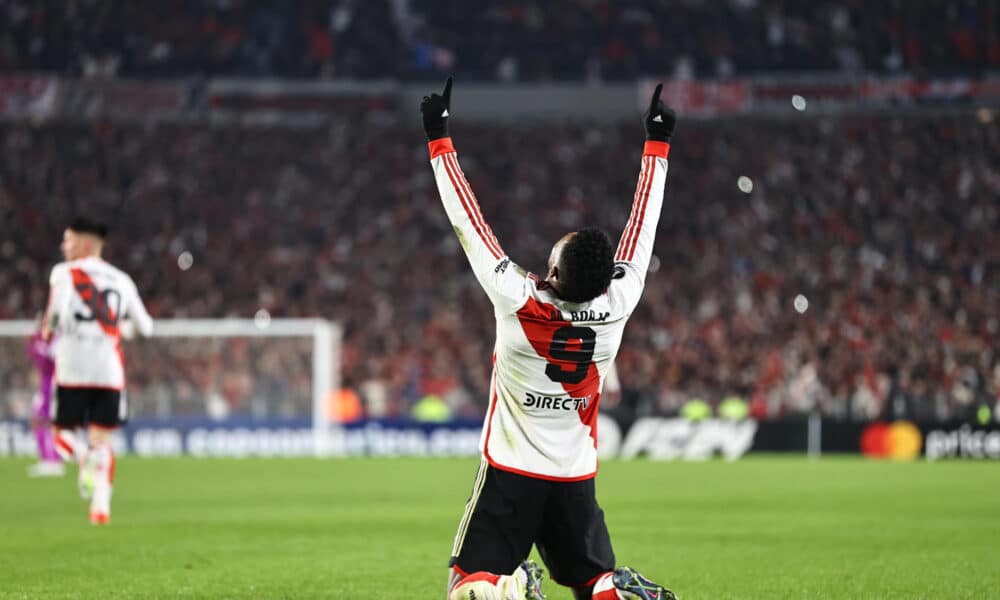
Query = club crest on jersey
x=555 y=402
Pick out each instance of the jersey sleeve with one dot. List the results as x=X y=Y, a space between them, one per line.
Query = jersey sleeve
x=636 y=245
x=60 y=288
x=136 y=311
x=504 y=283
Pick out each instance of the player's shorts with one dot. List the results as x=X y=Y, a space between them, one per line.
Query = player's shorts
x=75 y=407
x=507 y=513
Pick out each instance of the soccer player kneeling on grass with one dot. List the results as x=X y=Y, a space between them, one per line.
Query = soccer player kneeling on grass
x=556 y=339
x=88 y=298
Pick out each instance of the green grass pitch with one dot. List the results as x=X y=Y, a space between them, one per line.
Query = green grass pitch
x=763 y=527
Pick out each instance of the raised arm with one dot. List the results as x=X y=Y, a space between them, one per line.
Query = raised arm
x=503 y=281
x=60 y=287
x=636 y=245
x=137 y=313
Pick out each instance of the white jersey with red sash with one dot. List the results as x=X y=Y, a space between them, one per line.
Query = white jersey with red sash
x=551 y=356
x=88 y=298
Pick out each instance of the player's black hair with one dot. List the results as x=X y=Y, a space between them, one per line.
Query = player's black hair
x=85 y=225
x=586 y=265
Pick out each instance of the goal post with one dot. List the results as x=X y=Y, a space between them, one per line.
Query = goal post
x=326 y=338
x=325 y=362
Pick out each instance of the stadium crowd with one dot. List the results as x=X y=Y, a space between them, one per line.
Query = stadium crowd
x=888 y=227
x=503 y=40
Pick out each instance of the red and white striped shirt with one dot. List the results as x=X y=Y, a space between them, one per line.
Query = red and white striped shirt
x=551 y=356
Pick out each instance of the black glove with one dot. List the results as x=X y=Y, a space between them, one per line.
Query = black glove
x=659 y=120
x=434 y=109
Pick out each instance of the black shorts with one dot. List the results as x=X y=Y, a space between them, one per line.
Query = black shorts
x=507 y=513
x=75 y=407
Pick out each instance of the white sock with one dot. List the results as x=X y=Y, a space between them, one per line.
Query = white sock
x=69 y=446
x=487 y=586
x=103 y=462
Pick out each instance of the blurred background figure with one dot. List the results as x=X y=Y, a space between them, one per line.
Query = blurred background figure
x=42 y=354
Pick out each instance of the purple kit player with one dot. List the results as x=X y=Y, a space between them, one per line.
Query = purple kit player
x=49 y=464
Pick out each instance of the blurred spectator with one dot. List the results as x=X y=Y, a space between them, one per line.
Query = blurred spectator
x=501 y=40
x=888 y=226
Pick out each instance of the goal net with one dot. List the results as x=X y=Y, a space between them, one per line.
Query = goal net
x=205 y=387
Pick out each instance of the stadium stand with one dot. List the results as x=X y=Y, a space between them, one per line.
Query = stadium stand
x=502 y=40
x=888 y=225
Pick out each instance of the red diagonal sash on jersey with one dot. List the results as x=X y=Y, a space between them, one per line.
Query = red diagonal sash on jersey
x=104 y=315
x=91 y=296
x=540 y=321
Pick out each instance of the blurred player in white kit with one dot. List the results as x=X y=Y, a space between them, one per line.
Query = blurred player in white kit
x=88 y=300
